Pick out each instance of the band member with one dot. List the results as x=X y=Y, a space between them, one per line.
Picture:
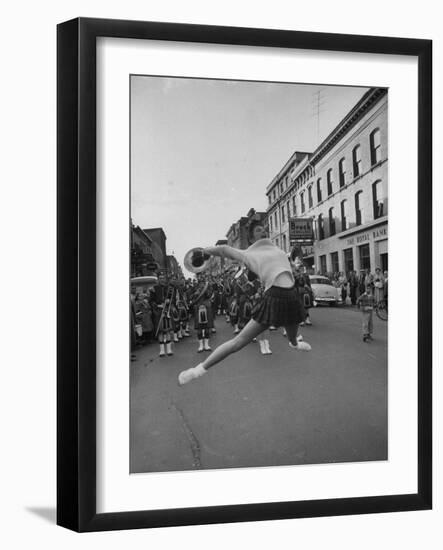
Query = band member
x=303 y=286
x=280 y=305
x=234 y=310
x=203 y=317
x=161 y=298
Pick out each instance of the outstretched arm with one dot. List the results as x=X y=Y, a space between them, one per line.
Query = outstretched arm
x=225 y=251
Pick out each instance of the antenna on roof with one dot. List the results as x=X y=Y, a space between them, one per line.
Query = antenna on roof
x=318 y=101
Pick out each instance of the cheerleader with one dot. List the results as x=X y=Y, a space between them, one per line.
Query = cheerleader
x=280 y=305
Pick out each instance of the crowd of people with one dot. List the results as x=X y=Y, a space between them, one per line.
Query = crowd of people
x=176 y=308
x=353 y=285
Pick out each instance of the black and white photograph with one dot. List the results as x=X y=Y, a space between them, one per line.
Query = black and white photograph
x=258 y=274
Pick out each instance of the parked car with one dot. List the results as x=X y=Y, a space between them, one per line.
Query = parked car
x=324 y=291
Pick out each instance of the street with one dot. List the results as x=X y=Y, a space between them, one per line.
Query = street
x=327 y=405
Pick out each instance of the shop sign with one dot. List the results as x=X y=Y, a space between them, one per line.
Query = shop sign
x=366 y=237
x=301 y=229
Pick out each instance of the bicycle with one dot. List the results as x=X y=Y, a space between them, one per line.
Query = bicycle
x=381 y=310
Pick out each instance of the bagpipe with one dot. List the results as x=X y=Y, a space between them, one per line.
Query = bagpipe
x=164 y=323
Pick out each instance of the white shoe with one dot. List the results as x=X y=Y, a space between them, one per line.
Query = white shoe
x=308 y=322
x=284 y=332
x=187 y=375
x=236 y=330
x=262 y=347
x=169 y=349
x=299 y=338
x=268 y=350
x=200 y=346
x=162 y=350
x=175 y=337
x=301 y=346
x=206 y=345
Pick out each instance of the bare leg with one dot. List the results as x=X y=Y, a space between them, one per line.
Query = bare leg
x=250 y=331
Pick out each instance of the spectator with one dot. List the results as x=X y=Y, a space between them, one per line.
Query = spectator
x=379 y=284
x=353 y=286
x=366 y=303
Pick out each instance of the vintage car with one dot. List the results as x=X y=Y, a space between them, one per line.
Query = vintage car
x=324 y=292
x=144 y=283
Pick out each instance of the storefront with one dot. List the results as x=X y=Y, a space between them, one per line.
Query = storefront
x=359 y=248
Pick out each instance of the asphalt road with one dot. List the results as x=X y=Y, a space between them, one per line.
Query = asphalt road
x=328 y=405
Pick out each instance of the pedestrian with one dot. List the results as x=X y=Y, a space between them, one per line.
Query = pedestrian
x=343 y=283
x=379 y=285
x=353 y=286
x=280 y=305
x=366 y=303
x=385 y=274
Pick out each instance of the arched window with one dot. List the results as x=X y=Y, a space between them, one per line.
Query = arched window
x=282 y=214
x=319 y=190
x=329 y=181
x=358 y=208
x=288 y=210
x=331 y=221
x=302 y=201
x=344 y=221
x=342 y=172
x=356 y=161
x=374 y=142
x=321 y=228
x=310 y=201
x=377 y=199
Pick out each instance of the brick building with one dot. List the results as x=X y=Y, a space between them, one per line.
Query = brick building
x=343 y=187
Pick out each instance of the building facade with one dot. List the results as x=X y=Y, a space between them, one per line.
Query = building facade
x=343 y=187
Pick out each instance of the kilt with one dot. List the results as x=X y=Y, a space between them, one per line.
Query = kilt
x=279 y=307
x=209 y=316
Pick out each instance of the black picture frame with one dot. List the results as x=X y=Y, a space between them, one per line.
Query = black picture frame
x=76 y=279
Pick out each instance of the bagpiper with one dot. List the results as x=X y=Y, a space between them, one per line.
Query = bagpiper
x=161 y=296
x=203 y=316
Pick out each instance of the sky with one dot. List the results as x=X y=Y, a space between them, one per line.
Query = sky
x=203 y=151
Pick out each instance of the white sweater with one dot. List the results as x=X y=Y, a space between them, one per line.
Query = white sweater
x=265 y=259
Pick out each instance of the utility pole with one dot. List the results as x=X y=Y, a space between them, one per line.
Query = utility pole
x=318 y=101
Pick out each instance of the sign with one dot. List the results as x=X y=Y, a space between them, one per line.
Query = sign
x=301 y=229
x=368 y=236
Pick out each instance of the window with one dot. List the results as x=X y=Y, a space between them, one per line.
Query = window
x=321 y=228
x=331 y=221
x=365 y=260
x=281 y=187
x=344 y=224
x=329 y=181
x=284 y=243
x=319 y=190
x=302 y=201
x=270 y=224
x=377 y=199
x=323 y=268
x=374 y=141
x=269 y=199
x=275 y=220
x=282 y=214
x=342 y=172
x=334 y=262
x=349 y=260
x=356 y=161
x=294 y=206
x=273 y=194
x=310 y=202
x=358 y=208
x=288 y=209
x=277 y=242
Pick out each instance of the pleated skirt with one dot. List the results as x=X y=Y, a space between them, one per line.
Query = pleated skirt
x=279 y=307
